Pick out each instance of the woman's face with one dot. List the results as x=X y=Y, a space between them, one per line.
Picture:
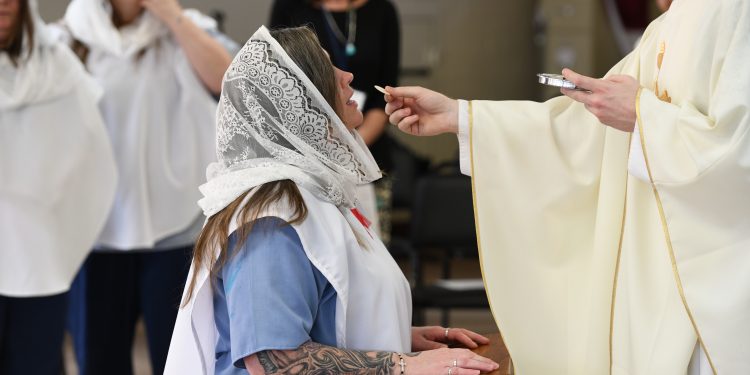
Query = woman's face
x=8 y=18
x=350 y=115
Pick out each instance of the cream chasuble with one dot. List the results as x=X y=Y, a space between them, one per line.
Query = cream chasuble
x=592 y=271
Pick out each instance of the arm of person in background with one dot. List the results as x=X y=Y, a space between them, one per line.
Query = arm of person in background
x=375 y=119
x=207 y=56
x=312 y=356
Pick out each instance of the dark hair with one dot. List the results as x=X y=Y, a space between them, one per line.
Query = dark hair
x=303 y=47
x=14 y=45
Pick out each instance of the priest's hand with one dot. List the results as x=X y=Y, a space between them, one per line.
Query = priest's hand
x=435 y=337
x=419 y=111
x=611 y=100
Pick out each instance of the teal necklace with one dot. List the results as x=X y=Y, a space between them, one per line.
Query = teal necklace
x=348 y=40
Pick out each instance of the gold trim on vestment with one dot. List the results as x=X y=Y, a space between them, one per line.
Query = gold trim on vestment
x=665 y=228
x=476 y=224
x=617 y=264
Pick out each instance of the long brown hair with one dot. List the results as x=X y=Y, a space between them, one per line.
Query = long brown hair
x=303 y=47
x=14 y=44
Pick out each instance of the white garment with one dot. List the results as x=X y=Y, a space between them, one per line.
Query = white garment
x=699 y=364
x=46 y=72
x=159 y=116
x=373 y=298
x=57 y=172
x=368 y=204
x=636 y=160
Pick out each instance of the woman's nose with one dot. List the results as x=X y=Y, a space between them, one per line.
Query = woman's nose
x=348 y=78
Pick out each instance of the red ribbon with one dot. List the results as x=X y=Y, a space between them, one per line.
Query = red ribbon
x=362 y=219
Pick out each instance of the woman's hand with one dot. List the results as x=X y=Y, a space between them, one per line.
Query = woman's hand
x=447 y=361
x=435 y=337
x=419 y=111
x=611 y=100
x=168 y=11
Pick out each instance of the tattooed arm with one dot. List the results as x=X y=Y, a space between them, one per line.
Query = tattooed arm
x=314 y=358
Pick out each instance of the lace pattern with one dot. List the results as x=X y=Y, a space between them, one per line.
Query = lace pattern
x=273 y=124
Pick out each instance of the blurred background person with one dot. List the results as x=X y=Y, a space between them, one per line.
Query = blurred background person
x=159 y=69
x=57 y=184
x=362 y=37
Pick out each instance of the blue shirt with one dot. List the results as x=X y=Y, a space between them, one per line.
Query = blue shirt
x=269 y=296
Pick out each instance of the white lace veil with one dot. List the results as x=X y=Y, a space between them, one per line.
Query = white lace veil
x=274 y=124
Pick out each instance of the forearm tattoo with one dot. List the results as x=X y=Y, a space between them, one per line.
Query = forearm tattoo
x=315 y=359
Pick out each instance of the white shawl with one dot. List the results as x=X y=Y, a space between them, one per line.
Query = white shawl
x=57 y=173
x=160 y=118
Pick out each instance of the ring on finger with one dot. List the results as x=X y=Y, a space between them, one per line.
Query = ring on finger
x=450 y=370
x=446 y=332
x=455 y=363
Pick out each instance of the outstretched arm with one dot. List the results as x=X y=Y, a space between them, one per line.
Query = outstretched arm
x=314 y=358
x=207 y=56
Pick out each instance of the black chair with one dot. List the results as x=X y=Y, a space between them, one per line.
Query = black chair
x=442 y=227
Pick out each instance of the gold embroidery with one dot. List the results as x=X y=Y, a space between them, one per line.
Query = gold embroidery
x=659 y=60
x=663 y=96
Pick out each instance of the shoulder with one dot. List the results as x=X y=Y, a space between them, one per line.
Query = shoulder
x=267 y=229
x=268 y=240
x=718 y=10
x=59 y=32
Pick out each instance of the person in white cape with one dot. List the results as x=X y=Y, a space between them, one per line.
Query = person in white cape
x=614 y=221
x=288 y=275
x=159 y=68
x=57 y=184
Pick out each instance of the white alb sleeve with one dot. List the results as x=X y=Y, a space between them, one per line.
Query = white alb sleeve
x=464 y=144
x=636 y=160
